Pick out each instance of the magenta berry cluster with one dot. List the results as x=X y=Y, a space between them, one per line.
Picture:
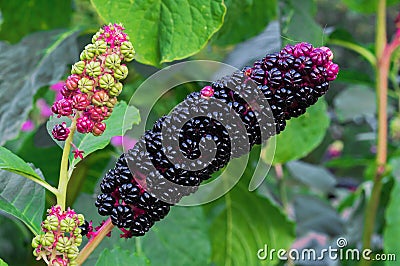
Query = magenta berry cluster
x=61 y=236
x=152 y=176
x=90 y=92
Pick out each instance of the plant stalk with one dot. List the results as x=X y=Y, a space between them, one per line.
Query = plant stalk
x=383 y=55
x=94 y=241
x=64 y=177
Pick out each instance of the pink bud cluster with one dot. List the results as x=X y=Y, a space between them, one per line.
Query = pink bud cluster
x=61 y=236
x=90 y=92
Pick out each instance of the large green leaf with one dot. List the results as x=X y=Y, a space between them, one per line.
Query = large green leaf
x=366 y=6
x=2 y=263
x=345 y=108
x=301 y=23
x=122 y=119
x=391 y=232
x=33 y=15
x=312 y=175
x=245 y=225
x=313 y=214
x=11 y=162
x=165 y=30
x=180 y=239
x=245 y=19
x=301 y=135
x=38 y=60
x=119 y=257
x=22 y=199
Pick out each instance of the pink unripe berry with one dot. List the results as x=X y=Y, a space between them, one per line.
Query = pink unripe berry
x=84 y=124
x=72 y=82
x=80 y=101
x=60 y=131
x=207 y=92
x=99 y=128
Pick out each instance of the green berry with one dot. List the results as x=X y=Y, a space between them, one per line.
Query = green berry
x=78 y=67
x=100 y=46
x=112 y=61
x=97 y=35
x=111 y=102
x=36 y=241
x=116 y=89
x=128 y=51
x=81 y=219
x=77 y=231
x=63 y=244
x=47 y=239
x=78 y=240
x=85 y=85
x=93 y=69
x=51 y=223
x=86 y=55
x=67 y=224
x=72 y=252
x=91 y=48
x=121 y=72
x=106 y=81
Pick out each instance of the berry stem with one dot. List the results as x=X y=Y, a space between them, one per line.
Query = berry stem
x=95 y=241
x=64 y=176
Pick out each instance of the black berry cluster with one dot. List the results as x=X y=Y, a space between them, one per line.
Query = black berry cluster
x=207 y=129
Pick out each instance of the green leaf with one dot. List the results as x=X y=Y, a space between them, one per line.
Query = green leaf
x=121 y=120
x=245 y=225
x=312 y=175
x=245 y=19
x=38 y=60
x=301 y=135
x=33 y=15
x=345 y=108
x=366 y=6
x=11 y=162
x=301 y=23
x=313 y=214
x=391 y=231
x=22 y=199
x=119 y=257
x=180 y=239
x=165 y=30
x=2 y=263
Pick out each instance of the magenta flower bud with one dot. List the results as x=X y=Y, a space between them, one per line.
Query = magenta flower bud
x=80 y=101
x=66 y=92
x=84 y=124
x=207 y=92
x=99 y=128
x=60 y=131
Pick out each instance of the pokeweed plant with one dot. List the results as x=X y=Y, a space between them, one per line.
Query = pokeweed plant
x=143 y=185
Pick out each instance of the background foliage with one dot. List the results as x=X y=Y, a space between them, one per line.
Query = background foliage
x=321 y=179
